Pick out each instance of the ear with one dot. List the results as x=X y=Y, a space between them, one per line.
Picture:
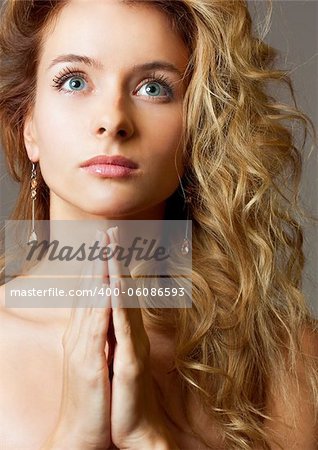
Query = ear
x=30 y=139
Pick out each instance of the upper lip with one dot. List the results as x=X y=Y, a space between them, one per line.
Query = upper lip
x=117 y=160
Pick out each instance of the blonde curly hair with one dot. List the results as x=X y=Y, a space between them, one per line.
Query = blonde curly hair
x=248 y=317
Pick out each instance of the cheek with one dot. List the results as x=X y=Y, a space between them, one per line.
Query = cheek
x=165 y=137
x=54 y=138
x=169 y=144
x=57 y=134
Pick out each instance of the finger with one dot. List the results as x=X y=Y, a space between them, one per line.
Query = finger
x=84 y=282
x=86 y=276
x=102 y=266
x=101 y=309
x=98 y=329
x=96 y=320
x=80 y=303
x=128 y=323
x=125 y=299
x=100 y=271
x=118 y=271
x=96 y=280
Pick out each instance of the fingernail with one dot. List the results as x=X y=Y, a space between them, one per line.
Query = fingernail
x=116 y=234
x=113 y=233
x=99 y=235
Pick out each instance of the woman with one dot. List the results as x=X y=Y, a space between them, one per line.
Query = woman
x=179 y=87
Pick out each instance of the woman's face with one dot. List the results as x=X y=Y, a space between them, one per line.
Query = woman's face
x=117 y=106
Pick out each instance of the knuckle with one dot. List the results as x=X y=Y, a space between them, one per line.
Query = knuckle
x=66 y=344
x=97 y=334
x=92 y=375
x=132 y=369
x=126 y=329
x=74 y=358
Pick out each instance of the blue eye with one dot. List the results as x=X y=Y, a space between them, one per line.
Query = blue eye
x=73 y=77
x=157 y=86
x=74 y=83
x=154 y=89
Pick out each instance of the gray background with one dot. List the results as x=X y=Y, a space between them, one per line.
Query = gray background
x=294 y=32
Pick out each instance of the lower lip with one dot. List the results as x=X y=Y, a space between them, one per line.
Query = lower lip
x=109 y=170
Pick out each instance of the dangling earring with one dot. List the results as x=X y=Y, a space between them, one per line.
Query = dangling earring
x=33 y=236
x=185 y=247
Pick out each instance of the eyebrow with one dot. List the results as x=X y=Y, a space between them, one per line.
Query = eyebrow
x=153 y=65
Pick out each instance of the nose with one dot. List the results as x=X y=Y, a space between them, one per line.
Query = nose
x=113 y=121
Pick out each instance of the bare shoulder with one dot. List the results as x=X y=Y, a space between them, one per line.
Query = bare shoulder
x=4 y=312
x=10 y=323
x=286 y=430
x=7 y=315
x=3 y=307
x=20 y=330
x=29 y=364
x=295 y=425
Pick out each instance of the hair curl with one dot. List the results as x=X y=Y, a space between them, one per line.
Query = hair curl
x=243 y=174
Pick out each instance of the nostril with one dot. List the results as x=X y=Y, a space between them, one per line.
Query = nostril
x=122 y=133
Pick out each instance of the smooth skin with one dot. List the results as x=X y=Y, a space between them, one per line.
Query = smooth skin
x=136 y=420
x=116 y=109
x=84 y=417
x=125 y=412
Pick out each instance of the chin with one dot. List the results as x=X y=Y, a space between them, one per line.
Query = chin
x=108 y=213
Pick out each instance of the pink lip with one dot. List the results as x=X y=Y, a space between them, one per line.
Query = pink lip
x=115 y=160
x=109 y=170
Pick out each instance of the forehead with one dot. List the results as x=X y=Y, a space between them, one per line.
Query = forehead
x=113 y=31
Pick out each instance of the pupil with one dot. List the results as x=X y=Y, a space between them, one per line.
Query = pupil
x=151 y=89
x=73 y=83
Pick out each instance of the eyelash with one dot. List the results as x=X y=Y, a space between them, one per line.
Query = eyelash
x=68 y=73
